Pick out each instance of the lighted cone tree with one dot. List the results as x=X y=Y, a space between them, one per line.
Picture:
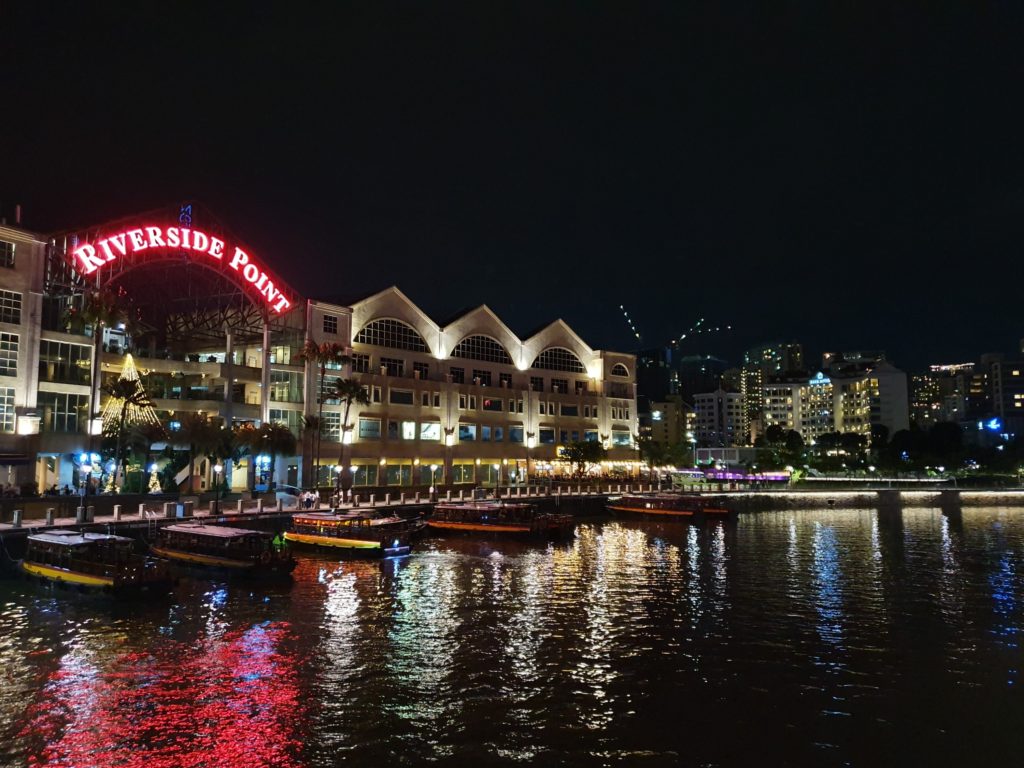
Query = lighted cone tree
x=127 y=405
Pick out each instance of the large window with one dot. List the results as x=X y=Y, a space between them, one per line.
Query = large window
x=515 y=434
x=537 y=383
x=8 y=354
x=620 y=370
x=400 y=397
x=393 y=366
x=10 y=307
x=458 y=375
x=331 y=324
x=285 y=387
x=430 y=430
x=391 y=333
x=330 y=427
x=547 y=436
x=63 y=413
x=481 y=377
x=6 y=254
x=64 y=363
x=482 y=348
x=558 y=359
x=7 y=409
x=621 y=438
x=360 y=363
x=369 y=429
x=493 y=404
x=290 y=419
x=467 y=432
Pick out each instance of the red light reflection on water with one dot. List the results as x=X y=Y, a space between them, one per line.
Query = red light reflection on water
x=229 y=701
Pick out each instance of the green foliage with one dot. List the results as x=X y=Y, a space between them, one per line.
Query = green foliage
x=581 y=453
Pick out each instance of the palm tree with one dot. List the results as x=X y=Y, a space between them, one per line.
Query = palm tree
x=347 y=392
x=246 y=439
x=202 y=436
x=321 y=355
x=654 y=454
x=128 y=397
x=99 y=309
x=310 y=431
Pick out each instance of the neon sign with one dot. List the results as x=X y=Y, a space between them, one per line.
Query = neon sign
x=90 y=257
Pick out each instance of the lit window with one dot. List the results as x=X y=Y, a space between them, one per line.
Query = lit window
x=558 y=359
x=6 y=254
x=482 y=348
x=392 y=333
x=10 y=307
x=331 y=324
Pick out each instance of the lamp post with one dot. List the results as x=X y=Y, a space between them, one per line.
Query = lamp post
x=433 y=491
x=497 y=480
x=217 y=469
x=337 y=484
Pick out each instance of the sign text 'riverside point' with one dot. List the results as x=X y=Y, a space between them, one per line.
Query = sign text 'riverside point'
x=90 y=257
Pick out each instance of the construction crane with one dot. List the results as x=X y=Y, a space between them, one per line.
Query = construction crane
x=629 y=321
x=696 y=329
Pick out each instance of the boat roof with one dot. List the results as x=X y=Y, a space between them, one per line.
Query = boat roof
x=74 y=538
x=330 y=516
x=482 y=505
x=214 y=531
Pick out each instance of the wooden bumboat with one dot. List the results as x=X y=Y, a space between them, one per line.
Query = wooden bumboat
x=495 y=517
x=220 y=547
x=354 y=534
x=668 y=505
x=93 y=562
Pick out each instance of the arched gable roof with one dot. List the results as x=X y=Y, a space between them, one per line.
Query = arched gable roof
x=556 y=335
x=392 y=304
x=559 y=359
x=481 y=321
x=481 y=347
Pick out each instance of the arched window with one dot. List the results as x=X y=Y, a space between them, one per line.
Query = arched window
x=482 y=348
x=620 y=370
x=558 y=359
x=391 y=333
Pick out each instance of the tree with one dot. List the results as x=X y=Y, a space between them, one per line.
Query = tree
x=581 y=453
x=347 y=392
x=321 y=355
x=127 y=404
x=653 y=454
x=775 y=435
x=793 y=441
x=142 y=438
x=100 y=309
x=201 y=436
x=275 y=440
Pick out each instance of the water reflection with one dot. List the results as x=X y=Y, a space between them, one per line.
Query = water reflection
x=809 y=638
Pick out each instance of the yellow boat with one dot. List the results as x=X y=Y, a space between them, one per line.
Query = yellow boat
x=92 y=561
x=357 y=535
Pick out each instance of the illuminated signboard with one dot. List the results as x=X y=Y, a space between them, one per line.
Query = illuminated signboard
x=90 y=257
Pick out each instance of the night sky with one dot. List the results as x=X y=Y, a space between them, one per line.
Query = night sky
x=847 y=178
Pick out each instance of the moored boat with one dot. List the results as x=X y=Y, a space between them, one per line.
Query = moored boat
x=668 y=505
x=354 y=534
x=93 y=562
x=221 y=547
x=494 y=517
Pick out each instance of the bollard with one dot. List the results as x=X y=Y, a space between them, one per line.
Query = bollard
x=280 y=504
x=460 y=494
x=401 y=498
x=373 y=499
x=259 y=506
x=90 y=513
x=239 y=508
x=79 y=515
x=355 y=499
x=49 y=516
x=117 y=512
x=187 y=508
x=387 y=499
x=16 y=520
x=142 y=509
x=170 y=509
x=417 y=497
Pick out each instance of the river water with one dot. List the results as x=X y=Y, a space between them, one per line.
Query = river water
x=833 y=637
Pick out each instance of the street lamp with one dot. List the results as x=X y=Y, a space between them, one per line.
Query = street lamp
x=433 y=469
x=530 y=444
x=217 y=469
x=337 y=483
x=497 y=480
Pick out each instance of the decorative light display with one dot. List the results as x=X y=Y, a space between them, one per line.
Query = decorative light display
x=137 y=409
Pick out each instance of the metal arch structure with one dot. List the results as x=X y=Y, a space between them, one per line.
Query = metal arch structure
x=185 y=297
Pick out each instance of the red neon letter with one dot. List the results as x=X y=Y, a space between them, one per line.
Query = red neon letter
x=185 y=232
x=251 y=273
x=216 y=248
x=106 y=249
x=138 y=241
x=118 y=240
x=155 y=237
x=241 y=258
x=200 y=242
x=86 y=254
x=282 y=303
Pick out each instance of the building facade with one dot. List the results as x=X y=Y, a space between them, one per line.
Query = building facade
x=213 y=332
x=719 y=419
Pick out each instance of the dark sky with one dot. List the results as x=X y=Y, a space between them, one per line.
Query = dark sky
x=850 y=175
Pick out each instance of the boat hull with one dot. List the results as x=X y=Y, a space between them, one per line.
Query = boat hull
x=349 y=546
x=200 y=562
x=88 y=582
x=667 y=513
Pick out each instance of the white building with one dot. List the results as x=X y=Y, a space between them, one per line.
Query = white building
x=720 y=419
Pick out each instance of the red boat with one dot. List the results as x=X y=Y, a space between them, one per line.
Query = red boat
x=668 y=505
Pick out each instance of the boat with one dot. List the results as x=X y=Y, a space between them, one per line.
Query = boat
x=668 y=506
x=354 y=534
x=220 y=547
x=93 y=562
x=496 y=517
